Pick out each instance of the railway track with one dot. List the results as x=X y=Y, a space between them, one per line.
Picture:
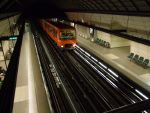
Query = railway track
x=84 y=102
x=134 y=94
x=58 y=98
x=83 y=83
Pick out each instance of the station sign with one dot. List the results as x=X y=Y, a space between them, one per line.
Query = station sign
x=13 y=38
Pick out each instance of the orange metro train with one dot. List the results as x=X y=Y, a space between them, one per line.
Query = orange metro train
x=63 y=35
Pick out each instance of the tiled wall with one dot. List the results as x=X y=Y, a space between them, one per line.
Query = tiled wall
x=113 y=40
x=137 y=26
x=119 y=22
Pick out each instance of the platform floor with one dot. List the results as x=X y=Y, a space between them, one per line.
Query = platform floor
x=30 y=94
x=22 y=99
x=117 y=57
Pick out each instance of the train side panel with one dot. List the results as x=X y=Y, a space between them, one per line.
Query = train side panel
x=46 y=27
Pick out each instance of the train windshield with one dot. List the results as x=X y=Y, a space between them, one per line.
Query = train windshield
x=68 y=34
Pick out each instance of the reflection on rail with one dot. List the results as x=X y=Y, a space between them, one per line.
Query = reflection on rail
x=93 y=61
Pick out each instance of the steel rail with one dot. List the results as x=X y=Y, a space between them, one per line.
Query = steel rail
x=98 y=92
x=57 y=102
x=116 y=79
x=54 y=57
x=69 y=77
x=90 y=92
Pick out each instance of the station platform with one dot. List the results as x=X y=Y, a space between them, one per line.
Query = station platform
x=117 y=58
x=30 y=94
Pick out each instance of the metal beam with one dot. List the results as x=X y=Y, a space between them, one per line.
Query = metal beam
x=95 y=4
x=19 y=3
x=148 y=3
x=7 y=15
x=114 y=4
x=103 y=1
x=83 y=5
x=10 y=4
x=99 y=3
x=133 y=3
x=86 y=4
x=122 y=3
x=91 y=5
x=3 y=3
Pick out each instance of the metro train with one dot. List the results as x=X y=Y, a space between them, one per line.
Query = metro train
x=63 y=35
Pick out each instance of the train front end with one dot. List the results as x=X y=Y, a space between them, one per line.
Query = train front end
x=67 y=39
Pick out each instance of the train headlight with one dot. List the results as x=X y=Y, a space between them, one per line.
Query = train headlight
x=62 y=46
x=74 y=45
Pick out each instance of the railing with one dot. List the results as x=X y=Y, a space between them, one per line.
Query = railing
x=132 y=108
x=8 y=88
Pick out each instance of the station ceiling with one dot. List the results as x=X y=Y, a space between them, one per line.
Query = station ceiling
x=57 y=7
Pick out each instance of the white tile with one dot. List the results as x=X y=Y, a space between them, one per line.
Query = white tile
x=111 y=56
x=21 y=94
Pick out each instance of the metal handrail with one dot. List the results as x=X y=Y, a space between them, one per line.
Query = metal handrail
x=132 y=108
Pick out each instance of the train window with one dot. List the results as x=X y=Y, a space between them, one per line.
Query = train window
x=68 y=34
